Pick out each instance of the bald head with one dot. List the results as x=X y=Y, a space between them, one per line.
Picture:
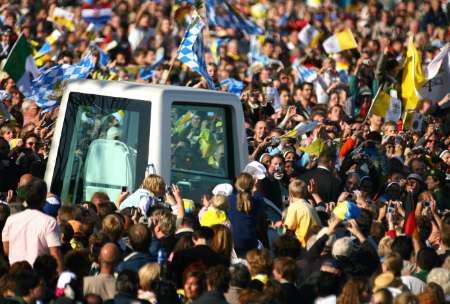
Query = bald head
x=109 y=255
x=25 y=180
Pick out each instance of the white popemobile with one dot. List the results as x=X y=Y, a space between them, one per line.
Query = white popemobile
x=110 y=134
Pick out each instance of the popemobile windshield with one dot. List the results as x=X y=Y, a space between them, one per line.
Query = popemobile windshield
x=109 y=134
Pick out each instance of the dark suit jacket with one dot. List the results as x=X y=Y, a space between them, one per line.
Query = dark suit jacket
x=328 y=186
x=211 y=297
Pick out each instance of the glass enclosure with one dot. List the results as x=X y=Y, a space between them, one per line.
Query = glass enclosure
x=201 y=148
x=103 y=146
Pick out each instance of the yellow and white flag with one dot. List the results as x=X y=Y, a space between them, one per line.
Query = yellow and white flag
x=387 y=106
x=314 y=3
x=413 y=77
x=309 y=36
x=63 y=18
x=340 y=42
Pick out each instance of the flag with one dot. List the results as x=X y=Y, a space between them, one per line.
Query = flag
x=63 y=18
x=413 y=77
x=438 y=76
x=300 y=129
x=314 y=3
x=216 y=45
x=43 y=87
x=47 y=46
x=386 y=106
x=20 y=64
x=309 y=36
x=340 y=42
x=315 y=148
x=230 y=17
x=191 y=51
x=305 y=74
x=96 y=14
x=233 y=86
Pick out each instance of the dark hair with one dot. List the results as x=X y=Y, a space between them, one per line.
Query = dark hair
x=327 y=284
x=427 y=258
x=203 y=233
x=239 y=276
x=77 y=261
x=287 y=245
x=218 y=278
x=128 y=283
x=36 y=193
x=46 y=267
x=403 y=246
x=139 y=237
x=24 y=281
x=304 y=84
x=165 y=291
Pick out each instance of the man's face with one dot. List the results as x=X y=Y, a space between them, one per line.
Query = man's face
x=446 y=158
x=376 y=122
x=432 y=184
x=352 y=183
x=307 y=92
x=284 y=98
x=418 y=167
x=260 y=130
x=275 y=163
x=268 y=49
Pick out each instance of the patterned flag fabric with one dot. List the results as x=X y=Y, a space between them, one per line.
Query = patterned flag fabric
x=233 y=86
x=43 y=87
x=192 y=52
x=230 y=18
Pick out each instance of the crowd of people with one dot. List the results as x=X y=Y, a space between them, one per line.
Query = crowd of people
x=364 y=200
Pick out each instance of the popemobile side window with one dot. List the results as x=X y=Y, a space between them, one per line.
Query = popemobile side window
x=199 y=145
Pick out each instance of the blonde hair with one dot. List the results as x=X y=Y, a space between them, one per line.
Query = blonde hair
x=221 y=241
x=384 y=247
x=165 y=220
x=298 y=189
x=112 y=226
x=154 y=183
x=147 y=274
x=244 y=185
x=220 y=202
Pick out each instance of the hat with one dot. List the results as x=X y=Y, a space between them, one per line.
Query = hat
x=256 y=169
x=224 y=189
x=346 y=210
x=415 y=176
x=342 y=247
x=51 y=206
x=365 y=91
x=443 y=153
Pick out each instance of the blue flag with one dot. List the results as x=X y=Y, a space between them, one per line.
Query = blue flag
x=192 y=51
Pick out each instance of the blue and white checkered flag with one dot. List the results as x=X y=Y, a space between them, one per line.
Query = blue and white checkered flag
x=43 y=87
x=147 y=72
x=231 y=18
x=192 y=51
x=233 y=86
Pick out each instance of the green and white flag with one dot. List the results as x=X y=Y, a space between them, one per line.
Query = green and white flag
x=20 y=64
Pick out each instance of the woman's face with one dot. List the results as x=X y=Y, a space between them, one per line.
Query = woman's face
x=192 y=288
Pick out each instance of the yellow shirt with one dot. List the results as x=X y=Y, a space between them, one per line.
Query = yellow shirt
x=300 y=218
x=213 y=217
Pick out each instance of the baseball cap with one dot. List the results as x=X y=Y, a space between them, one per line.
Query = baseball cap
x=256 y=169
x=443 y=153
x=51 y=206
x=224 y=189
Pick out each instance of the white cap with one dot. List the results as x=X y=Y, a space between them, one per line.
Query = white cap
x=224 y=189
x=443 y=153
x=256 y=169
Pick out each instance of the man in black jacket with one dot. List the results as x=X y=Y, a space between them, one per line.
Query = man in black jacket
x=328 y=185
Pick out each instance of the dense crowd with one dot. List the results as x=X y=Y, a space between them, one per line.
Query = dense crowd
x=364 y=201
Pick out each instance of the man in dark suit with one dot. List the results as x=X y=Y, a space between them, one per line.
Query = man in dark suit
x=329 y=186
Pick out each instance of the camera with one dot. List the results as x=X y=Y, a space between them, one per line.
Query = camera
x=275 y=141
x=426 y=204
